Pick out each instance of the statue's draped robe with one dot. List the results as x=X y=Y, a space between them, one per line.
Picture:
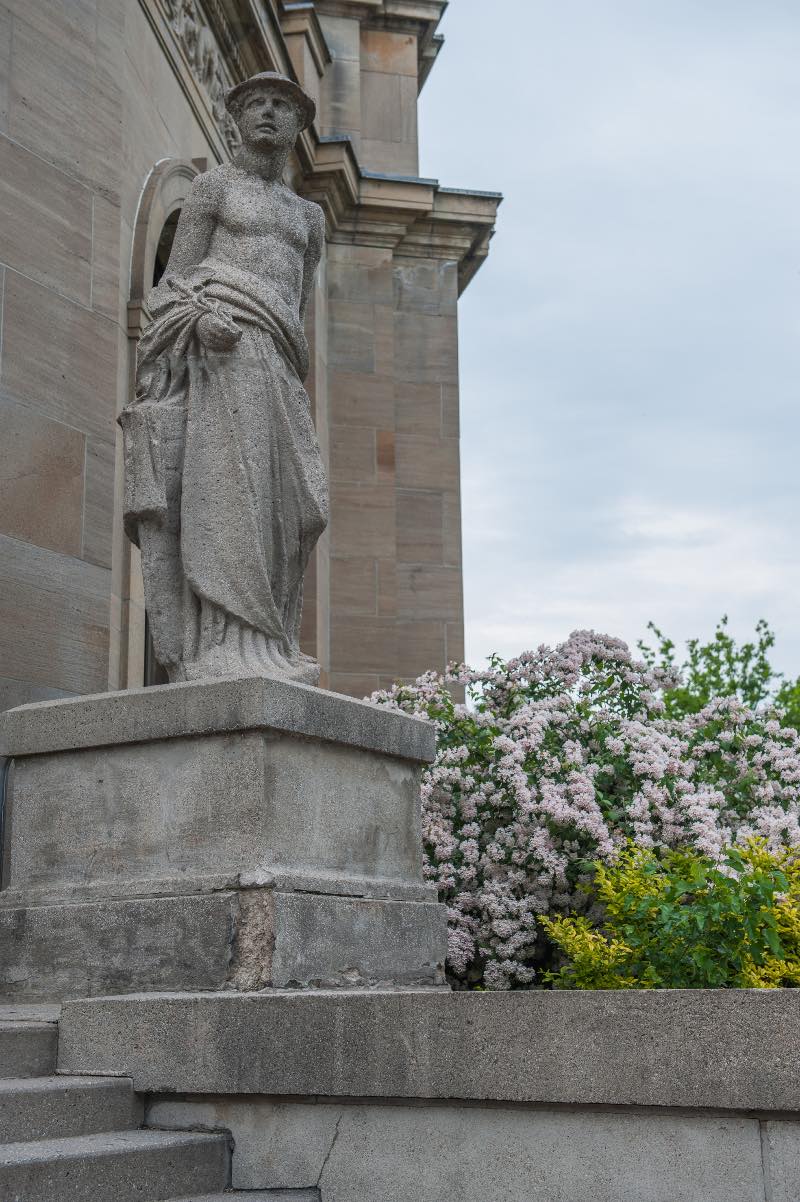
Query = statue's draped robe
x=225 y=487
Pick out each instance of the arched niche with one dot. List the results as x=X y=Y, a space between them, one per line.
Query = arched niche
x=160 y=203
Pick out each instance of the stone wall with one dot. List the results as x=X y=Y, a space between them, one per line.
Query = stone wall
x=631 y=1096
x=89 y=106
x=61 y=172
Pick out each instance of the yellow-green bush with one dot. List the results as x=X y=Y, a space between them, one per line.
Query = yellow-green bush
x=684 y=921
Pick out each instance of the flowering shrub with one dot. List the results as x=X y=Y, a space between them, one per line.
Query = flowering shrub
x=682 y=921
x=557 y=760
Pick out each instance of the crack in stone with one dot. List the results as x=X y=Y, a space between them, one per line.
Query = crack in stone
x=330 y=1149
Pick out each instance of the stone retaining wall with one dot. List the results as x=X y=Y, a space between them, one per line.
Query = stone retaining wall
x=673 y=1096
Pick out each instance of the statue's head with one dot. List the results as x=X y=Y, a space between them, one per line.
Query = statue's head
x=270 y=110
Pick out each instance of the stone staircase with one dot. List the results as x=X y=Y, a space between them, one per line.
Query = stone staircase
x=72 y=1139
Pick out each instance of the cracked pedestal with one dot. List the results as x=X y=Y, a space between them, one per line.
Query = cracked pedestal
x=232 y=834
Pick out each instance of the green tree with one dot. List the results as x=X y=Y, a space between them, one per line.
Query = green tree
x=722 y=668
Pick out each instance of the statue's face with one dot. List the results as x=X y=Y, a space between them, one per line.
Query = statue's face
x=268 y=119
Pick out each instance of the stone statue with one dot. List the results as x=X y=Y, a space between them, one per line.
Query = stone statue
x=225 y=489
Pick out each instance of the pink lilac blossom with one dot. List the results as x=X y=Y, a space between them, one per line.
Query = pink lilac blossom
x=558 y=758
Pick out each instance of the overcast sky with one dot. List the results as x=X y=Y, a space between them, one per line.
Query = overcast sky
x=630 y=361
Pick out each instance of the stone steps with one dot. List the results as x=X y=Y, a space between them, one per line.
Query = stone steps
x=76 y=1139
x=34 y=1108
x=27 y=1049
x=128 y=1166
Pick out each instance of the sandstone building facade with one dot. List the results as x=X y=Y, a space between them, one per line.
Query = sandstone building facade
x=108 y=109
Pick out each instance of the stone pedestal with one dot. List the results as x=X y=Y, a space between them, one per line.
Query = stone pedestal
x=234 y=834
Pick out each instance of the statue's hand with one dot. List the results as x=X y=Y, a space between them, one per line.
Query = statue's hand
x=217 y=332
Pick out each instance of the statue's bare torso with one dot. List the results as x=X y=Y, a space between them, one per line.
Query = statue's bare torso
x=239 y=218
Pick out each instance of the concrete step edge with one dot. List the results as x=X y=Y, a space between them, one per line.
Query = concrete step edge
x=55 y=1083
x=107 y=1143
x=258 y=1195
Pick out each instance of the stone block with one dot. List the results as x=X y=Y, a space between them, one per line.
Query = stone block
x=382 y=116
x=89 y=949
x=394 y=53
x=229 y=834
x=429 y=591
x=27 y=1048
x=362 y=520
x=419 y=527
x=350 y=279
x=391 y=158
x=387 y=588
x=725 y=1050
x=46 y=232
x=451 y=411
x=354 y=587
x=98 y=514
x=425 y=462
x=426 y=347
x=75 y=382
x=357 y=941
x=419 y=644
x=20 y=692
x=41 y=480
x=153 y=810
x=423 y=286
x=53 y=61
x=340 y=92
x=451 y=527
x=223 y=939
x=342 y=36
x=354 y=684
x=363 y=1153
x=351 y=336
x=54 y=620
x=353 y=456
x=418 y=408
x=106 y=235
x=361 y=399
x=362 y=645
x=213 y=707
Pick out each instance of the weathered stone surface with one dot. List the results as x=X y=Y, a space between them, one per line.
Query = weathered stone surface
x=27 y=1047
x=780 y=1143
x=225 y=485
x=127 y=1166
x=41 y=478
x=724 y=1049
x=209 y=707
x=60 y=951
x=229 y=840
x=357 y=941
x=246 y=939
x=245 y=803
x=57 y=1107
x=363 y=1153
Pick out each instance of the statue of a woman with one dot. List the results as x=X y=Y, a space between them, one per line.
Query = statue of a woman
x=225 y=488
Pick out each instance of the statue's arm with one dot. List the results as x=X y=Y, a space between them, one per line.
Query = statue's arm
x=195 y=227
x=316 y=241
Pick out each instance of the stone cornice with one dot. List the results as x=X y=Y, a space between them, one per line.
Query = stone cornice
x=416 y=218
